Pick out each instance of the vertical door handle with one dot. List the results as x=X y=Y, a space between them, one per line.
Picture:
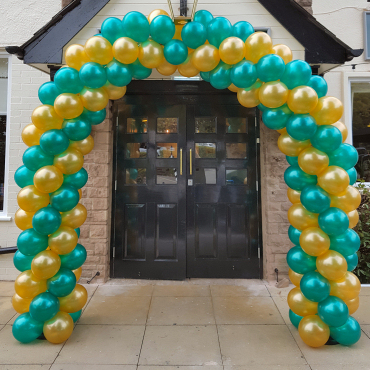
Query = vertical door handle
x=180 y=161
x=191 y=163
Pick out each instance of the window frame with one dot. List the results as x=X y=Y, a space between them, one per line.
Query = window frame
x=366 y=48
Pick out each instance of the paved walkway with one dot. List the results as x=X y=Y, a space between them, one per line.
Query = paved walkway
x=196 y=325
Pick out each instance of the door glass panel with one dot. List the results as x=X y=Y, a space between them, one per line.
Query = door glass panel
x=236 y=177
x=236 y=125
x=136 y=150
x=166 y=150
x=205 y=176
x=205 y=150
x=166 y=125
x=236 y=150
x=136 y=176
x=205 y=125
x=166 y=176
x=137 y=125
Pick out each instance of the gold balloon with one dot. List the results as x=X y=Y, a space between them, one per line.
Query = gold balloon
x=46 y=118
x=63 y=241
x=27 y=285
x=178 y=29
x=68 y=105
x=150 y=54
x=302 y=99
x=21 y=305
x=77 y=273
x=166 y=69
x=291 y=147
x=31 y=200
x=353 y=305
x=94 y=99
x=348 y=201
x=282 y=131
x=294 y=196
x=85 y=146
x=59 y=328
x=249 y=97
x=233 y=88
x=23 y=219
x=125 y=50
x=99 y=50
x=332 y=265
x=313 y=331
x=76 y=56
x=187 y=68
x=313 y=161
x=48 y=179
x=69 y=162
x=327 y=111
x=45 y=264
x=342 y=128
x=333 y=180
x=114 y=92
x=273 y=94
x=31 y=135
x=314 y=241
x=294 y=277
x=299 y=304
x=300 y=218
x=75 y=217
x=353 y=218
x=75 y=301
x=79 y=193
x=232 y=50
x=155 y=13
x=205 y=58
x=283 y=52
x=257 y=45
x=346 y=288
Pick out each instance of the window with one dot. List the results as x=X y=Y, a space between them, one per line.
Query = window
x=367 y=35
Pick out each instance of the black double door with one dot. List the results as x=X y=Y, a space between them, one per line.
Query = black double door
x=185 y=199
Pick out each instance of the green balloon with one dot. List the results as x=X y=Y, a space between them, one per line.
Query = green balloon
x=78 y=179
x=76 y=315
x=294 y=318
x=319 y=85
x=78 y=231
x=242 y=30
x=23 y=176
x=333 y=311
x=67 y=80
x=299 y=261
x=44 y=306
x=30 y=242
x=270 y=68
x=138 y=71
x=220 y=76
x=34 y=158
x=74 y=259
x=296 y=73
x=333 y=221
x=162 y=29
x=346 y=156
x=22 y=262
x=327 y=138
x=25 y=329
x=76 y=129
x=352 y=261
x=62 y=283
x=94 y=117
x=46 y=220
x=315 y=287
x=136 y=26
x=194 y=34
x=301 y=127
x=65 y=198
x=347 y=334
x=205 y=76
x=346 y=244
x=175 y=52
x=54 y=142
x=297 y=179
x=352 y=173
x=48 y=92
x=294 y=235
x=277 y=118
x=315 y=199
x=218 y=30
x=203 y=16
x=118 y=74
x=112 y=29
x=293 y=161
x=243 y=74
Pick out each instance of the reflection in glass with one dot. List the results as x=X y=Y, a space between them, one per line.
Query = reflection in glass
x=167 y=176
x=236 y=150
x=136 y=150
x=205 y=125
x=166 y=150
x=236 y=125
x=136 y=176
x=236 y=177
x=205 y=176
x=137 y=125
x=205 y=150
x=166 y=125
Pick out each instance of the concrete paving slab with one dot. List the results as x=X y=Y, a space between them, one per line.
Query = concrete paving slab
x=92 y=367
x=204 y=367
x=7 y=288
x=362 y=315
x=340 y=367
x=6 y=310
x=181 y=290
x=366 y=329
x=282 y=305
x=365 y=290
x=279 y=292
x=124 y=290
x=24 y=367
x=270 y=367
x=239 y=291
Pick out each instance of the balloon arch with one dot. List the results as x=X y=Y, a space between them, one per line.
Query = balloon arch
x=293 y=102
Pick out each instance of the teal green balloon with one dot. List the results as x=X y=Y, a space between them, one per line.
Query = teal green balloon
x=347 y=334
x=136 y=26
x=46 y=220
x=30 y=242
x=62 y=283
x=175 y=52
x=299 y=261
x=346 y=243
x=65 y=198
x=138 y=71
x=78 y=231
x=346 y=156
x=293 y=161
x=25 y=329
x=162 y=29
x=276 y=118
x=76 y=315
x=352 y=173
x=218 y=30
x=67 y=80
x=270 y=68
x=219 y=77
x=76 y=129
x=194 y=34
x=262 y=107
x=352 y=261
x=74 y=259
x=133 y=173
x=297 y=179
x=78 y=179
x=242 y=30
x=44 y=306
x=294 y=235
x=294 y=318
x=205 y=76
x=48 y=92
x=118 y=74
x=23 y=176
x=333 y=311
x=34 y=158
x=301 y=126
x=54 y=142
x=315 y=287
x=95 y=118
x=315 y=199
x=22 y=262
x=203 y=16
x=319 y=85
x=333 y=221
x=327 y=138
x=296 y=73
x=112 y=29
x=243 y=74
x=93 y=75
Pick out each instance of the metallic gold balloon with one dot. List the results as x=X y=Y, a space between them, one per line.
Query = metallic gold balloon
x=342 y=128
x=294 y=196
x=346 y=288
x=125 y=50
x=249 y=97
x=75 y=301
x=348 y=201
x=257 y=45
x=313 y=331
x=78 y=273
x=353 y=305
x=178 y=29
x=31 y=200
x=79 y=193
x=333 y=180
x=76 y=56
x=31 y=135
x=21 y=305
x=94 y=99
x=85 y=146
x=332 y=265
x=327 y=111
x=150 y=54
x=75 y=217
x=300 y=218
x=48 y=179
x=59 y=328
x=291 y=147
x=27 y=285
x=273 y=94
x=353 y=218
x=114 y=92
x=23 y=219
x=314 y=241
x=299 y=304
x=45 y=264
x=187 y=68
x=70 y=161
x=155 y=13
x=232 y=50
x=282 y=131
x=205 y=58
x=46 y=118
x=99 y=50
x=233 y=88
x=313 y=161
x=302 y=99
x=283 y=52
x=68 y=105
x=294 y=277
x=166 y=69
x=63 y=241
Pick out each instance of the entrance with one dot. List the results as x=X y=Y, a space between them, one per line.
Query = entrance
x=185 y=199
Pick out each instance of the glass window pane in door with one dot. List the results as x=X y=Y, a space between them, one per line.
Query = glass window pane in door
x=205 y=176
x=205 y=150
x=236 y=177
x=236 y=125
x=166 y=125
x=236 y=150
x=136 y=176
x=137 y=125
x=166 y=150
x=136 y=150
x=166 y=176
x=205 y=125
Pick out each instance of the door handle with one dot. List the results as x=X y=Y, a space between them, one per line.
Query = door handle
x=180 y=161
x=191 y=162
